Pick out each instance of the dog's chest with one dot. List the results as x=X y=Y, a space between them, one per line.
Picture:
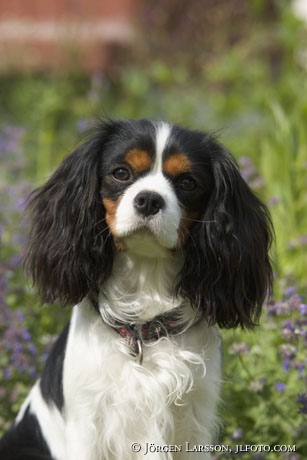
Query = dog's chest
x=107 y=392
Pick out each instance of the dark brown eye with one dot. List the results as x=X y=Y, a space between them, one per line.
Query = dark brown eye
x=188 y=184
x=121 y=174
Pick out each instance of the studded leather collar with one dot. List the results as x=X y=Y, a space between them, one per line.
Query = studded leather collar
x=160 y=326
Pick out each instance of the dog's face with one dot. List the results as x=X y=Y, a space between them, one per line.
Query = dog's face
x=157 y=190
x=154 y=185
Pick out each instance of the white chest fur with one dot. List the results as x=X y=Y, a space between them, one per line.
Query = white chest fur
x=112 y=402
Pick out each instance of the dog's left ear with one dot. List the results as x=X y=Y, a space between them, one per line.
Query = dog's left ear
x=70 y=250
x=227 y=271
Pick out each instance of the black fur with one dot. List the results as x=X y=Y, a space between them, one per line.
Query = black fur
x=51 y=382
x=227 y=270
x=69 y=251
x=24 y=441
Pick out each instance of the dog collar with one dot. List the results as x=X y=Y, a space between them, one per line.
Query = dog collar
x=161 y=326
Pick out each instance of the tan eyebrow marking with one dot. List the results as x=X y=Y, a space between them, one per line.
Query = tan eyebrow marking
x=177 y=164
x=138 y=160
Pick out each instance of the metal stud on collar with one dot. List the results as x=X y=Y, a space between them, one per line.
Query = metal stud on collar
x=140 y=351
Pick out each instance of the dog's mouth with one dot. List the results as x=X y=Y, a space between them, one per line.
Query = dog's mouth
x=143 y=241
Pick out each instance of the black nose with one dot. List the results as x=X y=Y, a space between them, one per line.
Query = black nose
x=148 y=203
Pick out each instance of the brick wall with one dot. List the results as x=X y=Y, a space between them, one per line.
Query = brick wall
x=56 y=34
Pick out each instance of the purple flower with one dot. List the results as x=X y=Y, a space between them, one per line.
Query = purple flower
x=300 y=367
x=274 y=201
x=282 y=308
x=288 y=351
x=25 y=335
x=20 y=316
x=11 y=138
x=302 y=400
x=250 y=173
x=32 y=373
x=289 y=291
x=16 y=260
x=286 y=365
x=6 y=374
x=82 y=125
x=241 y=348
x=295 y=302
x=288 y=330
x=303 y=239
x=280 y=386
x=18 y=348
x=237 y=434
x=303 y=309
x=298 y=242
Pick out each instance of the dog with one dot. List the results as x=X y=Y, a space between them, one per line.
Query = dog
x=151 y=232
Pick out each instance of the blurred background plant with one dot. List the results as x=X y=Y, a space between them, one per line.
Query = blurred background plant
x=239 y=67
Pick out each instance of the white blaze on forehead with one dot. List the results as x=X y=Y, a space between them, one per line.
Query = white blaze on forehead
x=163 y=131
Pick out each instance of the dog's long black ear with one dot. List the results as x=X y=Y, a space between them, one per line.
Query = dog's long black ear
x=70 y=250
x=227 y=272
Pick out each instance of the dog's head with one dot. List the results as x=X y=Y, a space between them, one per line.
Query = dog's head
x=153 y=186
x=155 y=190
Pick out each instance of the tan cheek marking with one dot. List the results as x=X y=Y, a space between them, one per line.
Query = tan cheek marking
x=177 y=164
x=138 y=160
x=111 y=208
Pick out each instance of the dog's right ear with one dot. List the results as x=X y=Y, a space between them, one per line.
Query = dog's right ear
x=70 y=250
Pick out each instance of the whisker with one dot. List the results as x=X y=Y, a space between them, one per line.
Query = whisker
x=202 y=221
x=100 y=221
x=107 y=237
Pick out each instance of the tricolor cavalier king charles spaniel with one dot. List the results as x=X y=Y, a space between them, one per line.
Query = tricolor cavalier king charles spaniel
x=151 y=232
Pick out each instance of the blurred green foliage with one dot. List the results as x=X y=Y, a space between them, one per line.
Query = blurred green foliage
x=254 y=93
